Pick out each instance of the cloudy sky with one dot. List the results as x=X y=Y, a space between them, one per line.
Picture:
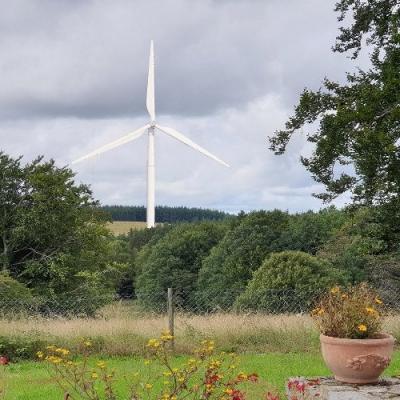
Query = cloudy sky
x=73 y=77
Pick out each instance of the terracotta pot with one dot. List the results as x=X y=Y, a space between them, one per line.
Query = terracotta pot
x=357 y=360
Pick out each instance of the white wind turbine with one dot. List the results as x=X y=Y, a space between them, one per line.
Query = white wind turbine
x=150 y=128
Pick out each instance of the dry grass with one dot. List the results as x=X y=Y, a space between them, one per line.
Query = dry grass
x=123 y=227
x=119 y=332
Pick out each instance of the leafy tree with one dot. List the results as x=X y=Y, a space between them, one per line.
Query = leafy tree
x=287 y=282
x=54 y=238
x=174 y=261
x=358 y=123
x=228 y=268
x=309 y=231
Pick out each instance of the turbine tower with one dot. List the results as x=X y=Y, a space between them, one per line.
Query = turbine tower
x=151 y=129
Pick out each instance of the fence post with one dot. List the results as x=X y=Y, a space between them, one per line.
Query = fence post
x=171 y=317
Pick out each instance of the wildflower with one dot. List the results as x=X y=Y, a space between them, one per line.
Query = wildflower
x=4 y=360
x=335 y=289
x=167 y=373
x=146 y=362
x=94 y=375
x=378 y=300
x=148 y=386
x=87 y=343
x=272 y=396
x=362 y=328
x=166 y=336
x=101 y=364
x=154 y=343
x=39 y=354
x=371 y=311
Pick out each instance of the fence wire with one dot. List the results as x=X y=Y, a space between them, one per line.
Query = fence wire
x=271 y=301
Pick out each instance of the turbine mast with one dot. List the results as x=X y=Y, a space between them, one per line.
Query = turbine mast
x=151 y=181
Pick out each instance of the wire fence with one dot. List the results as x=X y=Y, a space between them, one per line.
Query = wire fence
x=182 y=301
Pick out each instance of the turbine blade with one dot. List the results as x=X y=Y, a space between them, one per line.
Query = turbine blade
x=125 y=139
x=150 y=102
x=179 y=136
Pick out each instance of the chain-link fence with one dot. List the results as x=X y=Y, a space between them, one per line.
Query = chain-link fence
x=268 y=301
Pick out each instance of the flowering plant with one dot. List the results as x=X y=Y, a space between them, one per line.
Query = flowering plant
x=353 y=313
x=205 y=375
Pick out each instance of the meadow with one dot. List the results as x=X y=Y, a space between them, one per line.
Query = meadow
x=123 y=227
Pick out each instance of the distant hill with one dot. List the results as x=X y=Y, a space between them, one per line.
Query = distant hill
x=164 y=214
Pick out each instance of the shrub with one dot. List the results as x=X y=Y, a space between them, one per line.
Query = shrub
x=286 y=282
x=355 y=313
x=14 y=296
x=20 y=347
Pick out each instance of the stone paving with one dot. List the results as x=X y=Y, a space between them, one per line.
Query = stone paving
x=329 y=389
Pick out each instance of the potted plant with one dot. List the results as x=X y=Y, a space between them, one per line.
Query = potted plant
x=352 y=342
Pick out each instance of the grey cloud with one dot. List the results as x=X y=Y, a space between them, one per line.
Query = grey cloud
x=88 y=59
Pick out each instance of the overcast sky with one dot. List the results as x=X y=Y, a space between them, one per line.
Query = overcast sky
x=73 y=77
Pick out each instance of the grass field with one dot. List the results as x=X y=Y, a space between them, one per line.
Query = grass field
x=122 y=332
x=123 y=227
x=31 y=381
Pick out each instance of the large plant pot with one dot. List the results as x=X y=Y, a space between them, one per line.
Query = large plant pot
x=357 y=360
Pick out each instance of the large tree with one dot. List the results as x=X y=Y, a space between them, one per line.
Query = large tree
x=355 y=126
x=53 y=237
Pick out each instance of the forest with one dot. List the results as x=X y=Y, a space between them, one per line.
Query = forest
x=164 y=213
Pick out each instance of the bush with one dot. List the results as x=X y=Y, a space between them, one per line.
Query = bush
x=286 y=282
x=14 y=296
x=20 y=347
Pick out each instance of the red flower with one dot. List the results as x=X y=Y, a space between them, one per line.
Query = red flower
x=272 y=396
x=237 y=395
x=4 y=360
x=252 y=378
x=212 y=379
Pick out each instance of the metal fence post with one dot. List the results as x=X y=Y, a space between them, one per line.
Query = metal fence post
x=171 y=316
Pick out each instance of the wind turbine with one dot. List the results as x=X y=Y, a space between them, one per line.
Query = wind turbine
x=150 y=128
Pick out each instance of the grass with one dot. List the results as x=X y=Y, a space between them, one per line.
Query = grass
x=123 y=227
x=122 y=331
x=31 y=381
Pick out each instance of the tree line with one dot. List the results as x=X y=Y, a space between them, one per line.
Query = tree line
x=164 y=214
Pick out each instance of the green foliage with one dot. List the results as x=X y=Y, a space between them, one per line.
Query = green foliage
x=20 y=347
x=309 y=231
x=356 y=142
x=14 y=296
x=288 y=278
x=53 y=237
x=226 y=271
x=174 y=261
x=165 y=214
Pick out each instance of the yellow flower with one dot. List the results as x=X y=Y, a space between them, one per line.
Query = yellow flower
x=87 y=343
x=166 y=336
x=362 y=328
x=101 y=364
x=154 y=343
x=148 y=386
x=168 y=373
x=335 y=289
x=39 y=354
x=147 y=362
x=94 y=375
x=371 y=311
x=378 y=300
